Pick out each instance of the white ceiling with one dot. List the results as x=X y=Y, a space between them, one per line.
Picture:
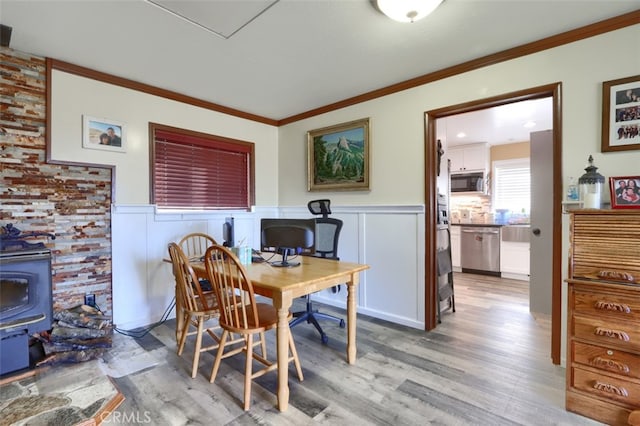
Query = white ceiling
x=280 y=58
x=498 y=125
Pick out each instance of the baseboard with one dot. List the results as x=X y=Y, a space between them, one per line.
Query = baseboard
x=521 y=277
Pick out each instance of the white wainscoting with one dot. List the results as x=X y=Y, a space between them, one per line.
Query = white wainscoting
x=390 y=239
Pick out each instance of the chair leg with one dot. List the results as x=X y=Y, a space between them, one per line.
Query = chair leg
x=196 y=354
x=247 y=373
x=310 y=317
x=453 y=299
x=294 y=354
x=184 y=332
x=329 y=317
x=216 y=363
x=263 y=345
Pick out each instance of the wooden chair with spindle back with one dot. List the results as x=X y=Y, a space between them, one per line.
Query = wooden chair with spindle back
x=194 y=245
x=240 y=313
x=197 y=306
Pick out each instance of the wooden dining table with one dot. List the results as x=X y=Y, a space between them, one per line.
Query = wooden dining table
x=282 y=285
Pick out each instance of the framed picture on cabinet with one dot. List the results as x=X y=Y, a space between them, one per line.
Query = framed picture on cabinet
x=338 y=157
x=621 y=114
x=625 y=192
x=103 y=133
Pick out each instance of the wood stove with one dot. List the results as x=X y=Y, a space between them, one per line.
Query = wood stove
x=26 y=304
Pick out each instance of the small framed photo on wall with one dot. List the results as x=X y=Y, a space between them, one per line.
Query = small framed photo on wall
x=621 y=114
x=103 y=133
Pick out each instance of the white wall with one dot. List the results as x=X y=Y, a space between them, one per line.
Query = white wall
x=73 y=96
x=397 y=120
x=397 y=129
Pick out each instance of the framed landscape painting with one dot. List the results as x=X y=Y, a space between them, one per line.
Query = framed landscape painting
x=103 y=133
x=338 y=157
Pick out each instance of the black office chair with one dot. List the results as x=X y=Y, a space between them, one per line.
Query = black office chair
x=326 y=245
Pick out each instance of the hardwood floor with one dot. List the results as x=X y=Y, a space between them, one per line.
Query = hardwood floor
x=486 y=364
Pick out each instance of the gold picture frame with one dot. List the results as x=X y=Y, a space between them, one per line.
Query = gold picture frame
x=621 y=114
x=338 y=157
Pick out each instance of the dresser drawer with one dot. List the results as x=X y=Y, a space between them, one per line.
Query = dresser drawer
x=607 y=359
x=604 y=386
x=607 y=332
x=604 y=242
x=616 y=307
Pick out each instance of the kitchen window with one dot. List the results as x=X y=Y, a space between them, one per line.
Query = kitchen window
x=198 y=171
x=512 y=185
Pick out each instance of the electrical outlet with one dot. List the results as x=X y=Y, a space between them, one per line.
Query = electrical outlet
x=90 y=299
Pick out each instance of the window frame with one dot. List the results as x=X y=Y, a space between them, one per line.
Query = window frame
x=203 y=139
x=506 y=164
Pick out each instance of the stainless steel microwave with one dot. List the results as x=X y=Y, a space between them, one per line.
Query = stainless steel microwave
x=467 y=182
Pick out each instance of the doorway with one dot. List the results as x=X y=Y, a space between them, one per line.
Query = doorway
x=431 y=159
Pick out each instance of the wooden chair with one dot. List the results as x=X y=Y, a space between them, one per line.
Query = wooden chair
x=197 y=306
x=241 y=314
x=196 y=244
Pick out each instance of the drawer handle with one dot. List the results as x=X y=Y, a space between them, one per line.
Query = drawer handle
x=606 y=387
x=614 y=334
x=609 y=364
x=616 y=276
x=612 y=306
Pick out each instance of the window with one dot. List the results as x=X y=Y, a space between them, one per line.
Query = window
x=512 y=185
x=191 y=170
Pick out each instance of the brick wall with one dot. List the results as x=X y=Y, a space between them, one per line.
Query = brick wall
x=73 y=202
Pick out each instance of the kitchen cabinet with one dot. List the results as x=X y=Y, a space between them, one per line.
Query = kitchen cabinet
x=515 y=251
x=455 y=248
x=603 y=316
x=514 y=259
x=473 y=157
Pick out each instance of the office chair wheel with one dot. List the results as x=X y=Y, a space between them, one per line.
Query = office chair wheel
x=324 y=338
x=342 y=323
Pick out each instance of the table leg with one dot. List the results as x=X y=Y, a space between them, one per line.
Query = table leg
x=179 y=318
x=351 y=318
x=282 y=303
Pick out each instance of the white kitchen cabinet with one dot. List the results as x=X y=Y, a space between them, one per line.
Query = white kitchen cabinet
x=473 y=157
x=455 y=248
x=514 y=259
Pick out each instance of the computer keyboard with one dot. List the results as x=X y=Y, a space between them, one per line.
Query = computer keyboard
x=256 y=256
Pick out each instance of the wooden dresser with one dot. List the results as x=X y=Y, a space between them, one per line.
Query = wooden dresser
x=603 y=330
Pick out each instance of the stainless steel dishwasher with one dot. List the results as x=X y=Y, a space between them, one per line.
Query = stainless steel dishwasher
x=480 y=249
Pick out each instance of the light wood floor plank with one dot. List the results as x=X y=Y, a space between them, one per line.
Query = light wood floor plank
x=486 y=364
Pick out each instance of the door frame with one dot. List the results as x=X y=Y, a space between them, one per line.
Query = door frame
x=430 y=179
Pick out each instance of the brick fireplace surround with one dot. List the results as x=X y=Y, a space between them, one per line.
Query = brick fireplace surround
x=72 y=201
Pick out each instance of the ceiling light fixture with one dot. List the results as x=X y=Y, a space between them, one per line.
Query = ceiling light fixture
x=407 y=10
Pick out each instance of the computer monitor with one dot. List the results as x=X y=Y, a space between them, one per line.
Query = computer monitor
x=287 y=237
x=227 y=232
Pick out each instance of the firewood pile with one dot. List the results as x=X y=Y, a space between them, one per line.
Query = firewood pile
x=79 y=334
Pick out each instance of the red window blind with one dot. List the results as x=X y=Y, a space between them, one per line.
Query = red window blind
x=199 y=171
